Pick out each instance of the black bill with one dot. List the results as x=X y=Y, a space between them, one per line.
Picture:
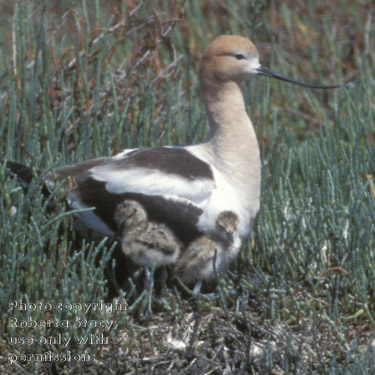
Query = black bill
x=269 y=73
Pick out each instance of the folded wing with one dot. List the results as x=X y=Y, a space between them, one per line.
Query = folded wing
x=170 y=182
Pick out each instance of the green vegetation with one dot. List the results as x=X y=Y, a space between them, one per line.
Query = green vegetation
x=85 y=79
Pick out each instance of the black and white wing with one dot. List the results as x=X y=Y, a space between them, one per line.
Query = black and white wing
x=170 y=183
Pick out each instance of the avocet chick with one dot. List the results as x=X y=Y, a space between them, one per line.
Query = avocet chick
x=146 y=243
x=197 y=262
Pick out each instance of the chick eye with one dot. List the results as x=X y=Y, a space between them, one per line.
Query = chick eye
x=239 y=56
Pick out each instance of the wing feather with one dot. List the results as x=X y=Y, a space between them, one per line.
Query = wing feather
x=170 y=182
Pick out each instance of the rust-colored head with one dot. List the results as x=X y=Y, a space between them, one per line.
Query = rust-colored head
x=229 y=58
x=235 y=58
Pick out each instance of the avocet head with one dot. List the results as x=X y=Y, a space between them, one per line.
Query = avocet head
x=235 y=58
x=229 y=58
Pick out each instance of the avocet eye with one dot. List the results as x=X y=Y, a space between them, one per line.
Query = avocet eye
x=239 y=56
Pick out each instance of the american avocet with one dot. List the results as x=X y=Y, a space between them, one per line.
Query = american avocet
x=181 y=191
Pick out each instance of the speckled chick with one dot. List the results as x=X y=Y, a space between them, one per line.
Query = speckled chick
x=146 y=243
x=197 y=262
